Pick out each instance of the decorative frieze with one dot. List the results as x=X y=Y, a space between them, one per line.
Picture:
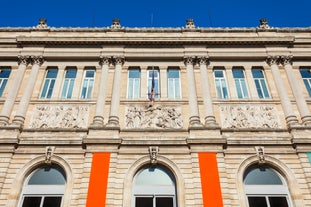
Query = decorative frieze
x=249 y=116
x=60 y=116
x=156 y=117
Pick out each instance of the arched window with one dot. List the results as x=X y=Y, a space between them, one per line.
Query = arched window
x=154 y=187
x=265 y=187
x=44 y=187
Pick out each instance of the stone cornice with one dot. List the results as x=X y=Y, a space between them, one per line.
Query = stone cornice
x=142 y=40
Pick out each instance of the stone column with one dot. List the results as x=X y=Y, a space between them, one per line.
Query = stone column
x=194 y=119
x=8 y=105
x=290 y=117
x=206 y=93
x=115 y=99
x=300 y=99
x=19 y=117
x=102 y=92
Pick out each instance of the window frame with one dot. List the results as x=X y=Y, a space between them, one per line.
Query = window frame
x=4 y=81
x=43 y=190
x=70 y=85
x=240 y=83
x=306 y=80
x=222 y=92
x=266 y=190
x=157 y=93
x=131 y=85
x=47 y=89
x=90 y=82
x=154 y=191
x=264 y=91
x=176 y=86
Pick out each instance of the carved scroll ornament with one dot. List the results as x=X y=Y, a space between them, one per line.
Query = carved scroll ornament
x=249 y=116
x=161 y=117
x=59 y=116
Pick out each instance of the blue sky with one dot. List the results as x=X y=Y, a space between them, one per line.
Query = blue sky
x=155 y=13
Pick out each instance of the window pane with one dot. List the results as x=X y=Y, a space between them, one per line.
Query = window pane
x=278 y=201
x=5 y=73
x=133 y=83
x=52 y=73
x=4 y=76
x=52 y=202
x=32 y=202
x=219 y=74
x=164 y=202
x=144 y=202
x=305 y=73
x=71 y=73
x=48 y=176
x=154 y=176
x=89 y=74
x=238 y=73
x=134 y=73
x=257 y=202
x=173 y=73
x=257 y=73
x=262 y=176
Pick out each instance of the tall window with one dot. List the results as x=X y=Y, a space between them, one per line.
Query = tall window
x=133 y=89
x=153 y=81
x=70 y=77
x=44 y=187
x=4 y=77
x=265 y=187
x=173 y=83
x=240 y=84
x=220 y=83
x=306 y=77
x=88 y=83
x=49 y=82
x=260 y=83
x=154 y=187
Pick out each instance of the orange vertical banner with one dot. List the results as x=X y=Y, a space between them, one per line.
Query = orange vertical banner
x=210 y=180
x=98 y=180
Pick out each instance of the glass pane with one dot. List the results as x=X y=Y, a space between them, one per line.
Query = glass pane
x=52 y=73
x=224 y=88
x=238 y=73
x=154 y=176
x=245 y=93
x=32 y=202
x=48 y=176
x=219 y=74
x=164 y=202
x=262 y=176
x=89 y=73
x=71 y=73
x=308 y=86
x=134 y=73
x=144 y=202
x=305 y=73
x=278 y=201
x=51 y=89
x=5 y=73
x=173 y=73
x=264 y=88
x=3 y=84
x=257 y=73
x=257 y=202
x=52 y=201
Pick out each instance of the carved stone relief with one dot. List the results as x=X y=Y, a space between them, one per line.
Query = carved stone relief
x=249 y=116
x=161 y=117
x=60 y=116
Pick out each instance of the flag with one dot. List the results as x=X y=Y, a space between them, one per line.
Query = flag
x=151 y=97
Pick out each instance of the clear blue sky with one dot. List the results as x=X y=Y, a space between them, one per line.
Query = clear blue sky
x=155 y=13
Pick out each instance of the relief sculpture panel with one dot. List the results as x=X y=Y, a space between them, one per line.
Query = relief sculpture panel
x=59 y=116
x=157 y=117
x=249 y=116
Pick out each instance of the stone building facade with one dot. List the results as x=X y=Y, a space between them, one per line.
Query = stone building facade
x=137 y=117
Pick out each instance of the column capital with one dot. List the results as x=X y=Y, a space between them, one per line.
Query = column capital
x=118 y=60
x=286 y=60
x=189 y=60
x=23 y=59
x=37 y=60
x=203 y=60
x=104 y=60
x=273 y=60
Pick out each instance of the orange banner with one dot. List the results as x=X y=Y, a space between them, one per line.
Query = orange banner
x=98 y=180
x=210 y=180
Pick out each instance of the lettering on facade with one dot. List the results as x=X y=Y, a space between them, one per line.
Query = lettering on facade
x=60 y=116
x=249 y=116
x=161 y=117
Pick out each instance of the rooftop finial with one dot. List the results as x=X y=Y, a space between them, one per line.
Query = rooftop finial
x=264 y=24
x=42 y=23
x=190 y=24
x=116 y=23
